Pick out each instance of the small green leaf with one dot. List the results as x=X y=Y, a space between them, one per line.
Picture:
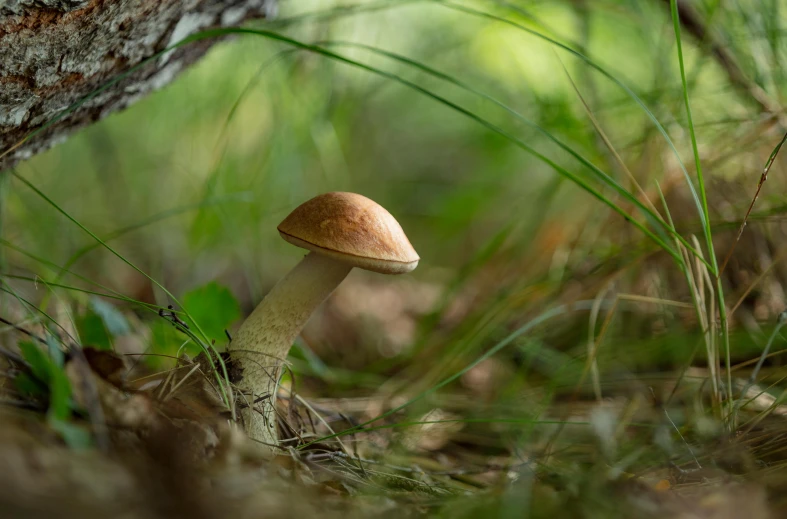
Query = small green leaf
x=39 y=364
x=164 y=340
x=114 y=320
x=75 y=436
x=59 y=393
x=28 y=385
x=56 y=355
x=214 y=307
x=49 y=373
x=93 y=331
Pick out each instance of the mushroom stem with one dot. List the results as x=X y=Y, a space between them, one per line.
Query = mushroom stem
x=262 y=343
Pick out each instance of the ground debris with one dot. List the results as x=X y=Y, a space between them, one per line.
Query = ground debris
x=728 y=500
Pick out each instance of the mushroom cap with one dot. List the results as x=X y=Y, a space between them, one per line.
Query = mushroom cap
x=353 y=229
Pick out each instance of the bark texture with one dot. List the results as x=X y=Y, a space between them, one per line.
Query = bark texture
x=54 y=52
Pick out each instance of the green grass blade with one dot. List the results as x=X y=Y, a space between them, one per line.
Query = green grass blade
x=338 y=12
x=654 y=218
x=692 y=133
x=148 y=306
x=489 y=16
x=722 y=308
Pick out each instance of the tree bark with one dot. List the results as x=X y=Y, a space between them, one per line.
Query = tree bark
x=55 y=52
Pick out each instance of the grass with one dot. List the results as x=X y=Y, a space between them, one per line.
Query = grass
x=559 y=350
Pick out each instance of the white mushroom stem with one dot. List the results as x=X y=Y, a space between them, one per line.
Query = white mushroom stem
x=263 y=341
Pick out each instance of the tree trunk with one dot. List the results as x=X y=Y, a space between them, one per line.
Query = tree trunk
x=55 y=52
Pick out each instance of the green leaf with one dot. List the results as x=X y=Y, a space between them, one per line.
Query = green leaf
x=54 y=376
x=93 y=331
x=164 y=340
x=39 y=364
x=28 y=385
x=115 y=321
x=75 y=436
x=59 y=393
x=214 y=307
x=56 y=355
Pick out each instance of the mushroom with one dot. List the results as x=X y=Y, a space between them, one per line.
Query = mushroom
x=341 y=231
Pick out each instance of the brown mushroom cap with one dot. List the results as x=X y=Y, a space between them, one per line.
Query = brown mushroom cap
x=352 y=229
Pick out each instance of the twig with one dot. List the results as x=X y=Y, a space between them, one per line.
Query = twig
x=20 y=329
x=13 y=356
x=763 y=178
